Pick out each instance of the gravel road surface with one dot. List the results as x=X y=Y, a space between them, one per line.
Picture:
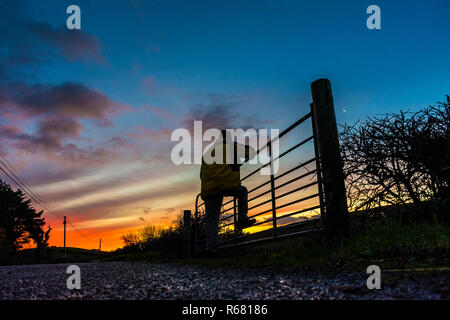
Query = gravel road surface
x=137 y=280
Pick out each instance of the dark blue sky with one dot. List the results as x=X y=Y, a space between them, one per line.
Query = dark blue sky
x=271 y=50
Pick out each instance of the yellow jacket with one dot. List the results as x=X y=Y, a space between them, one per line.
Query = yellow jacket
x=217 y=177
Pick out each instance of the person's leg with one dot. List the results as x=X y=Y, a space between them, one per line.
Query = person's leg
x=241 y=194
x=213 y=204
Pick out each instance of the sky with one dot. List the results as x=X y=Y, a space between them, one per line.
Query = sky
x=86 y=115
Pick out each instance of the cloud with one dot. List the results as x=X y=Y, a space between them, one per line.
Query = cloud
x=216 y=113
x=50 y=135
x=110 y=200
x=159 y=112
x=119 y=142
x=222 y=112
x=72 y=154
x=154 y=135
x=68 y=99
x=57 y=111
x=51 y=138
x=27 y=45
x=9 y=131
x=41 y=174
x=25 y=50
x=145 y=210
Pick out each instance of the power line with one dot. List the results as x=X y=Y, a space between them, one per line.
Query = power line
x=27 y=185
x=23 y=184
x=81 y=233
x=20 y=186
x=32 y=196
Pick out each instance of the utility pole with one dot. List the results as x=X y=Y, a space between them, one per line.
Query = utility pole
x=65 y=250
x=100 y=248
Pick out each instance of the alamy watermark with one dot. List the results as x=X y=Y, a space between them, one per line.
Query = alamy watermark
x=74 y=280
x=74 y=20
x=374 y=20
x=227 y=146
x=374 y=280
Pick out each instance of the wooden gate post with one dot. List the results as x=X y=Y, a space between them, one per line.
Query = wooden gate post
x=335 y=217
x=187 y=217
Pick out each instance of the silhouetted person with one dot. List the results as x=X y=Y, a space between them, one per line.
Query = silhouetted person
x=223 y=179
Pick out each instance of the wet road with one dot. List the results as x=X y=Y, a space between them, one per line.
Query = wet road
x=138 y=280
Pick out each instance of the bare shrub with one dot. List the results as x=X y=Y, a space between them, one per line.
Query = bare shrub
x=399 y=158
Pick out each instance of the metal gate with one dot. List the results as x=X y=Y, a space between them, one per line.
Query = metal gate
x=281 y=220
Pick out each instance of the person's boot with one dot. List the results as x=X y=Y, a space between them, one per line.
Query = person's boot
x=245 y=223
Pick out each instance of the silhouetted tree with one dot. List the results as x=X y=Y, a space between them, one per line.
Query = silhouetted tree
x=131 y=242
x=19 y=222
x=156 y=238
x=398 y=158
